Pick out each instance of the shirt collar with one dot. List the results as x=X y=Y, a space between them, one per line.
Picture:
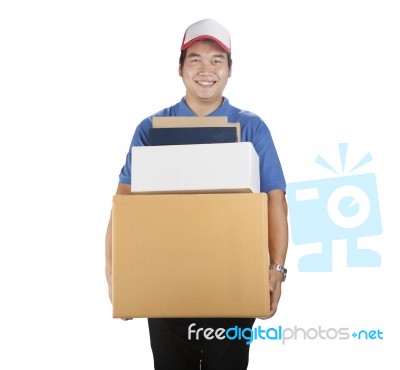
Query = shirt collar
x=185 y=111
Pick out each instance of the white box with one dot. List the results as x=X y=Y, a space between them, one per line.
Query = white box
x=198 y=168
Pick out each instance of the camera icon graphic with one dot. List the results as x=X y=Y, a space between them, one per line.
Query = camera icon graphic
x=344 y=207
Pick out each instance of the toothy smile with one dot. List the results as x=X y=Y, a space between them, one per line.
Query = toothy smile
x=206 y=83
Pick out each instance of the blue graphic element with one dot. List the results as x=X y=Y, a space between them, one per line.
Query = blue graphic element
x=366 y=159
x=322 y=162
x=343 y=207
x=343 y=154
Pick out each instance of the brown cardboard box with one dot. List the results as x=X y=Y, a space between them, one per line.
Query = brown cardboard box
x=190 y=255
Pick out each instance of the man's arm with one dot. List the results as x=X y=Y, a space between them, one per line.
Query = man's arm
x=122 y=189
x=278 y=243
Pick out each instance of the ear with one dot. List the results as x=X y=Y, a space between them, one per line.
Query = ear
x=230 y=72
x=180 y=71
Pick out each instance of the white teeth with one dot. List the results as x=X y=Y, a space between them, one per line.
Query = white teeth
x=205 y=83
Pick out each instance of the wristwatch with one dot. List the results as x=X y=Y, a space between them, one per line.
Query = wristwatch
x=279 y=268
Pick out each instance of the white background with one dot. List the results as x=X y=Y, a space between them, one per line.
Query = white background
x=77 y=76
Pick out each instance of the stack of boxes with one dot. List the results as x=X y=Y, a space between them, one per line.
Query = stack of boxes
x=192 y=239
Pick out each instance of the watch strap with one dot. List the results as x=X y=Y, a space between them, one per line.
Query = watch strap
x=279 y=268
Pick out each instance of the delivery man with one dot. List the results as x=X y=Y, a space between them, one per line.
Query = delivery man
x=205 y=66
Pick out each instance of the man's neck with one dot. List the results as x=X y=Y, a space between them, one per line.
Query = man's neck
x=201 y=108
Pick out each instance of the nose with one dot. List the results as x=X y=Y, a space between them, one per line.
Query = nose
x=205 y=68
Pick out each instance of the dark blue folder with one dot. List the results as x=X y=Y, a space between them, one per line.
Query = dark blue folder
x=192 y=135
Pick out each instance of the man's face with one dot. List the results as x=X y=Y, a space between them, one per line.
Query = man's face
x=205 y=72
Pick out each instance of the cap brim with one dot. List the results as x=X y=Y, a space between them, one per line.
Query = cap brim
x=205 y=37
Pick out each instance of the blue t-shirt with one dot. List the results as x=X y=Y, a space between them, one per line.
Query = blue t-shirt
x=253 y=129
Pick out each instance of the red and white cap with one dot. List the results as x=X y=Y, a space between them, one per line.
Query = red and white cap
x=207 y=29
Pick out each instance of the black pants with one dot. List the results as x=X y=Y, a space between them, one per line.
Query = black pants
x=173 y=350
